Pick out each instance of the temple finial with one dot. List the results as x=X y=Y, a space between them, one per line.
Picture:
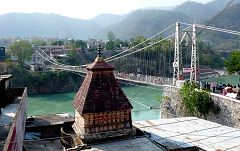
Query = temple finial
x=99 y=49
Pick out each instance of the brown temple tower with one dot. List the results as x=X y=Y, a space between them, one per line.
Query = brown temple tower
x=102 y=110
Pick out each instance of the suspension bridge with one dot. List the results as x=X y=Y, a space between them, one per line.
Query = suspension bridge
x=152 y=62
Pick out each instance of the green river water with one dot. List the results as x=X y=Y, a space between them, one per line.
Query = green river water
x=143 y=98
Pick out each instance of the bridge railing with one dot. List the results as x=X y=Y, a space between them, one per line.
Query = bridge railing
x=145 y=79
x=132 y=77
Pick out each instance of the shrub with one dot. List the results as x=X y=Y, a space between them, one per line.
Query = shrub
x=197 y=102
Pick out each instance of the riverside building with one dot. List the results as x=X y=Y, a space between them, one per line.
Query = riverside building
x=13 y=104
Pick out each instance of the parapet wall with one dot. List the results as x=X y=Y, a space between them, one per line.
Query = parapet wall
x=229 y=114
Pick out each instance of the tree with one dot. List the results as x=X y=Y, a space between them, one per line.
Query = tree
x=58 y=43
x=110 y=45
x=72 y=44
x=22 y=49
x=232 y=63
x=137 y=40
x=39 y=42
x=9 y=64
x=111 y=36
x=81 y=44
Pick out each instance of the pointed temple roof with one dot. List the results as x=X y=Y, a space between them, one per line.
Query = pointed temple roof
x=100 y=91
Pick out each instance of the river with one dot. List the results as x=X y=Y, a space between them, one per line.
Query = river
x=144 y=97
x=141 y=99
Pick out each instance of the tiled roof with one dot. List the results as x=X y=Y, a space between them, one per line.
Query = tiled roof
x=100 y=91
x=99 y=64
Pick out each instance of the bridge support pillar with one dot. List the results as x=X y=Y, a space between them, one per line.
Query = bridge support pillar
x=194 y=58
x=177 y=63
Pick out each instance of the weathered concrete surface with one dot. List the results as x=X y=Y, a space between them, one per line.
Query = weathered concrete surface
x=135 y=144
x=186 y=132
x=229 y=114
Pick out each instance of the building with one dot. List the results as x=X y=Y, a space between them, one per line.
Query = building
x=13 y=104
x=102 y=110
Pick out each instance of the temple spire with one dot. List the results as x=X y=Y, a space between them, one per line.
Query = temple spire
x=99 y=56
x=99 y=49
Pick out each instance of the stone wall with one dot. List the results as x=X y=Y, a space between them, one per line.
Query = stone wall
x=229 y=114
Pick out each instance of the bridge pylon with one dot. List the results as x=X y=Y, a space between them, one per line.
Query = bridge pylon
x=194 y=57
x=177 y=63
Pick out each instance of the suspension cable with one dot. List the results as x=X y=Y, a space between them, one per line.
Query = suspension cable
x=215 y=29
x=145 y=47
x=140 y=43
x=215 y=17
x=140 y=49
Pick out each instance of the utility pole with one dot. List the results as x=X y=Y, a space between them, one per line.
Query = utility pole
x=193 y=75
x=177 y=63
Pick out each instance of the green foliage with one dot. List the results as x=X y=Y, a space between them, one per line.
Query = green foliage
x=39 y=42
x=232 y=63
x=22 y=50
x=228 y=20
x=111 y=36
x=80 y=44
x=58 y=43
x=137 y=40
x=110 y=45
x=114 y=43
x=53 y=81
x=197 y=102
x=208 y=57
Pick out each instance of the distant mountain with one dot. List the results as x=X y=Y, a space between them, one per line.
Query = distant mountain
x=220 y=4
x=197 y=11
x=45 y=25
x=145 y=22
x=107 y=19
x=230 y=19
x=161 y=8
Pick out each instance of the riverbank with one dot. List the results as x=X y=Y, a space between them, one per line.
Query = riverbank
x=46 y=82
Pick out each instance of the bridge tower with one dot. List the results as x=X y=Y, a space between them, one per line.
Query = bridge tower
x=194 y=58
x=177 y=63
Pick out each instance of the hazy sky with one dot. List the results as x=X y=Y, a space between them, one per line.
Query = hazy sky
x=84 y=9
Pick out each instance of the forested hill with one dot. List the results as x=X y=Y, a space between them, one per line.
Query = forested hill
x=219 y=4
x=105 y=20
x=229 y=20
x=148 y=22
x=197 y=11
x=145 y=22
x=45 y=25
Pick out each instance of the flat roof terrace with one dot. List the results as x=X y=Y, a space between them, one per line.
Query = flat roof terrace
x=191 y=131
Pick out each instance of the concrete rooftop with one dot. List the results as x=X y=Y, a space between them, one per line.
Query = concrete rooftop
x=47 y=145
x=191 y=131
x=135 y=144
